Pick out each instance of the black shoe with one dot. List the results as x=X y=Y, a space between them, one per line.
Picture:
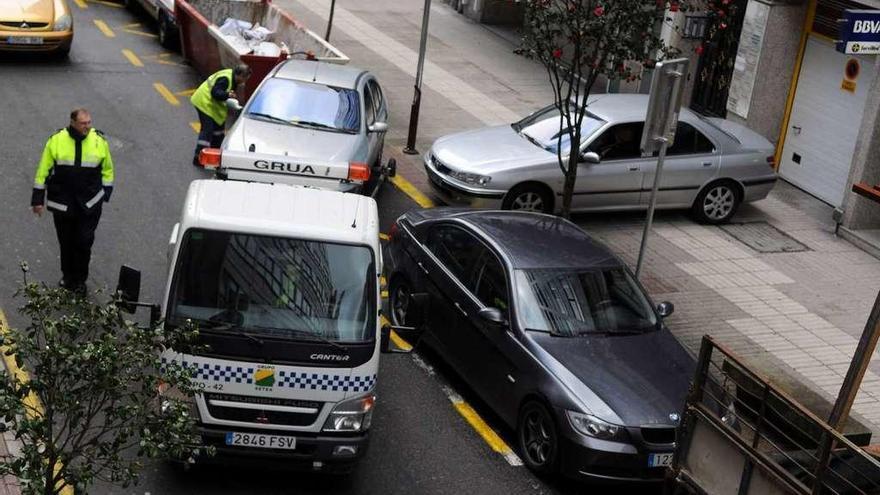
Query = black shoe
x=80 y=289
x=63 y=284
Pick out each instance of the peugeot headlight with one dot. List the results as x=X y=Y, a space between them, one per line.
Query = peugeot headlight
x=468 y=178
x=63 y=23
x=592 y=426
x=351 y=415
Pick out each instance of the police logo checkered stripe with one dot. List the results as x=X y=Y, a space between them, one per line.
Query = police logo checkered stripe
x=322 y=381
x=218 y=372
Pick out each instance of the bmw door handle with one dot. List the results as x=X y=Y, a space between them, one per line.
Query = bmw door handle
x=460 y=309
x=425 y=270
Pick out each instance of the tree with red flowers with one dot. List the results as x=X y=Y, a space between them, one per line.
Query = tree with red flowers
x=579 y=40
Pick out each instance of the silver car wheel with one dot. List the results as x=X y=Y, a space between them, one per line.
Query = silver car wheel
x=719 y=202
x=528 y=201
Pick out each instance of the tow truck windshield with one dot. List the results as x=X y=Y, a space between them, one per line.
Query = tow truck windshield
x=275 y=288
x=309 y=105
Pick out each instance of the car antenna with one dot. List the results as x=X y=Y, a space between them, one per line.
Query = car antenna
x=354 y=221
x=315 y=75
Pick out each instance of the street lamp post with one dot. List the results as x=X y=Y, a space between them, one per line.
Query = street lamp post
x=330 y=20
x=410 y=148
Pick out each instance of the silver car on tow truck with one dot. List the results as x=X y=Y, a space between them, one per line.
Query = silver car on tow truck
x=310 y=123
x=713 y=166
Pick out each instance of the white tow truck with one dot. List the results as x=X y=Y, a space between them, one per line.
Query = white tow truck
x=283 y=282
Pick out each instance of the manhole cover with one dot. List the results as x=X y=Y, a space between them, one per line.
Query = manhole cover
x=763 y=237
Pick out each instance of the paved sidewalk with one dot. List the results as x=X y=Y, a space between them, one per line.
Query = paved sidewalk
x=796 y=316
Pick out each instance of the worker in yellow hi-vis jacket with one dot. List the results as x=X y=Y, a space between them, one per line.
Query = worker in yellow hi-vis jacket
x=209 y=101
x=74 y=177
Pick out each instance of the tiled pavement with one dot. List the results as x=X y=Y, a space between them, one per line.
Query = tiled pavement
x=796 y=316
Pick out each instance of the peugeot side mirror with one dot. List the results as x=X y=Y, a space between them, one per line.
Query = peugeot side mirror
x=129 y=288
x=378 y=127
x=665 y=308
x=493 y=316
x=233 y=104
x=590 y=157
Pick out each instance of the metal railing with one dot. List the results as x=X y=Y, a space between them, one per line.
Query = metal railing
x=794 y=450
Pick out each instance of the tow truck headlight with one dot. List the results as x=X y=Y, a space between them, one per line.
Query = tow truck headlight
x=351 y=415
x=592 y=426
x=468 y=178
x=63 y=23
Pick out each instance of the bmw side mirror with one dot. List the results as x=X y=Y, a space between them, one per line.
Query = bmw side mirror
x=590 y=157
x=493 y=316
x=129 y=288
x=665 y=308
x=378 y=127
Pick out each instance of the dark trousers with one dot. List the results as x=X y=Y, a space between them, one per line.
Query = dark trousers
x=76 y=234
x=210 y=135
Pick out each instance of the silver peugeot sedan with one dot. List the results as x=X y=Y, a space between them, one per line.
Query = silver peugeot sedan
x=315 y=112
x=712 y=167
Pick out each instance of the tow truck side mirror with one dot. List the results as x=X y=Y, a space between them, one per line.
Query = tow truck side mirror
x=129 y=288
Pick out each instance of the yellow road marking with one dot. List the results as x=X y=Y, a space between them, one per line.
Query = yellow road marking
x=485 y=431
x=384 y=294
x=384 y=237
x=81 y=4
x=396 y=339
x=135 y=61
x=189 y=92
x=132 y=25
x=140 y=33
x=104 y=28
x=168 y=95
x=411 y=191
x=109 y=4
x=383 y=282
x=33 y=408
x=196 y=126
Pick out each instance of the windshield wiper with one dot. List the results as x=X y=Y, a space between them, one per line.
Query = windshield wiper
x=227 y=328
x=271 y=118
x=313 y=336
x=318 y=125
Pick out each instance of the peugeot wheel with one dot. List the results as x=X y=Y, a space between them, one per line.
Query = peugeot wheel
x=538 y=439
x=528 y=197
x=717 y=203
x=166 y=32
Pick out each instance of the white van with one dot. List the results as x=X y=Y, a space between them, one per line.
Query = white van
x=283 y=282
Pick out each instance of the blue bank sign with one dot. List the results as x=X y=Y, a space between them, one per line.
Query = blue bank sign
x=860 y=32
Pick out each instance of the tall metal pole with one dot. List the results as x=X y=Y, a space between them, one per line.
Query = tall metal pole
x=410 y=148
x=650 y=221
x=330 y=20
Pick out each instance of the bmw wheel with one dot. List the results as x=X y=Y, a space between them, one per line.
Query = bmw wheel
x=528 y=197
x=399 y=301
x=717 y=203
x=538 y=439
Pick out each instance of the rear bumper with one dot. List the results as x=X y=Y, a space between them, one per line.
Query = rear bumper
x=50 y=41
x=757 y=189
x=313 y=452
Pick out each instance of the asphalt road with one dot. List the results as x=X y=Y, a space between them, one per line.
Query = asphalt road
x=420 y=443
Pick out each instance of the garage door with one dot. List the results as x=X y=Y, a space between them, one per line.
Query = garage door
x=825 y=120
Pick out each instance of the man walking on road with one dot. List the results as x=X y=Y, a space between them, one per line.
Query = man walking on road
x=210 y=102
x=74 y=177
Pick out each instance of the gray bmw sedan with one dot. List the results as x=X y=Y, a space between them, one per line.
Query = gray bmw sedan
x=712 y=167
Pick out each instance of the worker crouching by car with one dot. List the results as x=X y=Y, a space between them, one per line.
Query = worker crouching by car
x=210 y=103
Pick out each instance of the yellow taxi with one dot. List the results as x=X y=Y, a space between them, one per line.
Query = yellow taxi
x=36 y=26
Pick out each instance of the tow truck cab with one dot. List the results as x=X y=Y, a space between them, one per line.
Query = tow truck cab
x=283 y=282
